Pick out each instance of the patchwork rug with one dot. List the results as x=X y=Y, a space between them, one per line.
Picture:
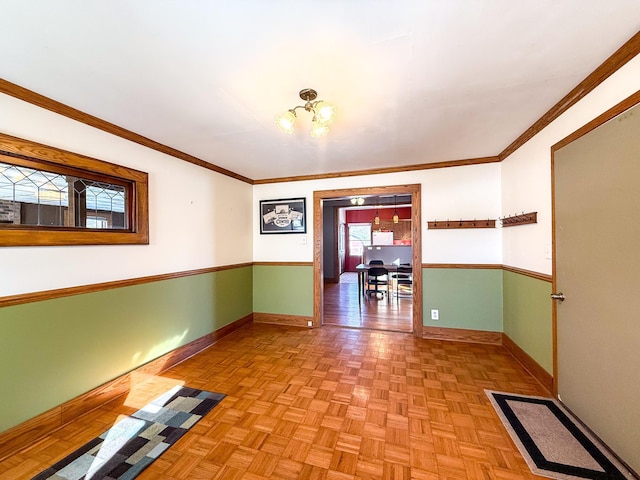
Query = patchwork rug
x=552 y=442
x=132 y=444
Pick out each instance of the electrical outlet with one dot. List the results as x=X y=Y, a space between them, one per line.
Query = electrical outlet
x=309 y=323
x=435 y=314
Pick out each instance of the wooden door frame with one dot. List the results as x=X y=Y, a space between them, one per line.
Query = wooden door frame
x=613 y=112
x=318 y=284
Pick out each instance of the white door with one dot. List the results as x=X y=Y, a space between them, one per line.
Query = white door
x=597 y=268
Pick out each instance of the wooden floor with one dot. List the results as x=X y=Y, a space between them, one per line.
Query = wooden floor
x=341 y=307
x=326 y=403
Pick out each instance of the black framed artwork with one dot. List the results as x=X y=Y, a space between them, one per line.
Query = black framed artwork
x=286 y=215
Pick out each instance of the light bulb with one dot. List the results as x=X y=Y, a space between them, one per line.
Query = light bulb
x=318 y=129
x=325 y=112
x=396 y=218
x=286 y=120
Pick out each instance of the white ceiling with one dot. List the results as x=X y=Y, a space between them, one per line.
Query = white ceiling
x=414 y=81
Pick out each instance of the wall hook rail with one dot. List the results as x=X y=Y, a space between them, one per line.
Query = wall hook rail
x=443 y=224
x=522 y=219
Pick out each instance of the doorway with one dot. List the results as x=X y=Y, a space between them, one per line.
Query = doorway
x=416 y=261
x=597 y=268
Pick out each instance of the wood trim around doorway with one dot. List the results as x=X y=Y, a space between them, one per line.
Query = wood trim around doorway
x=318 y=284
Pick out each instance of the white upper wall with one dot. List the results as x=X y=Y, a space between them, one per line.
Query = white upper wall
x=459 y=192
x=197 y=218
x=526 y=174
x=200 y=219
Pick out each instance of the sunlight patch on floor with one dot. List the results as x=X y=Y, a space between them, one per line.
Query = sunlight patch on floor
x=153 y=393
x=124 y=430
x=146 y=388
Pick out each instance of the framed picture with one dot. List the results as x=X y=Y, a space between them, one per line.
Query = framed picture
x=287 y=215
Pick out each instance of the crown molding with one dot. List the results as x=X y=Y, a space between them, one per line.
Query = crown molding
x=54 y=106
x=378 y=171
x=629 y=50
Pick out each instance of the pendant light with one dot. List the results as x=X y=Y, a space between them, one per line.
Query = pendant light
x=376 y=219
x=396 y=219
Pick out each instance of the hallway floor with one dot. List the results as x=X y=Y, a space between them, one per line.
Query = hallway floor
x=341 y=307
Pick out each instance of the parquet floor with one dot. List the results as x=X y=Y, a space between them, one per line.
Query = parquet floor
x=329 y=403
x=341 y=307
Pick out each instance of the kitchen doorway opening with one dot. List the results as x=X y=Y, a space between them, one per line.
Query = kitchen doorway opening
x=339 y=296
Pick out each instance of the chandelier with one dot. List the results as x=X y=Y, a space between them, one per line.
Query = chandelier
x=323 y=114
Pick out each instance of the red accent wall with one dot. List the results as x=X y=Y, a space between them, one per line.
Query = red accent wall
x=366 y=216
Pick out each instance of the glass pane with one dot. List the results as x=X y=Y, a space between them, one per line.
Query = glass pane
x=359 y=237
x=41 y=198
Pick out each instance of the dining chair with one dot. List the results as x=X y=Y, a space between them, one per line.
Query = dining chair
x=377 y=276
x=403 y=276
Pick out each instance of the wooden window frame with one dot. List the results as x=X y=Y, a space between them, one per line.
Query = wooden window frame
x=34 y=155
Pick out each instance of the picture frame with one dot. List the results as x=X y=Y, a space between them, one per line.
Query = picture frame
x=285 y=215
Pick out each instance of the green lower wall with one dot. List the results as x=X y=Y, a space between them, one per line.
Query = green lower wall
x=465 y=298
x=54 y=350
x=283 y=289
x=528 y=316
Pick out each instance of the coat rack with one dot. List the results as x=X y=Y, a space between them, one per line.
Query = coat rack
x=440 y=224
x=521 y=219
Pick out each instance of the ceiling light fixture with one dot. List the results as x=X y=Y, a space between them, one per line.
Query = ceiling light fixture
x=323 y=114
